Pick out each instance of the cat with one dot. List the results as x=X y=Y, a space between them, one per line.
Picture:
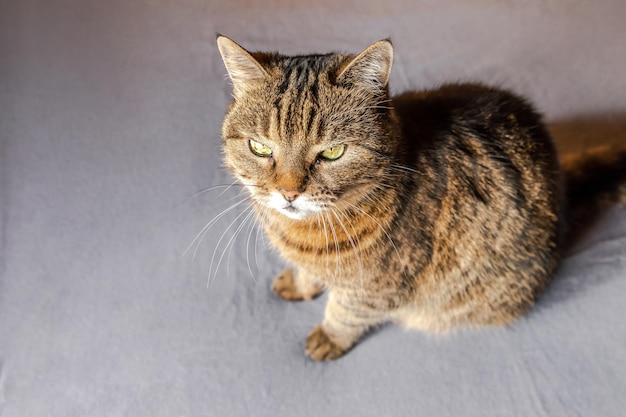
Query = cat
x=431 y=209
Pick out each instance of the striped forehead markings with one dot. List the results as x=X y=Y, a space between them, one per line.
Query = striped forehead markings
x=297 y=101
x=296 y=107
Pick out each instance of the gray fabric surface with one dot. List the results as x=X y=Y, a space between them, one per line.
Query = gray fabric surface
x=109 y=120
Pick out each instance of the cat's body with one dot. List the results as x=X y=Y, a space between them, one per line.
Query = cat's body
x=431 y=209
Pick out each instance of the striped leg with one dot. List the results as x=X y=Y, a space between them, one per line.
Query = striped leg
x=296 y=286
x=345 y=321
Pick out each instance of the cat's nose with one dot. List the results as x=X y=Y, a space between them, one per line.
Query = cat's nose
x=290 y=195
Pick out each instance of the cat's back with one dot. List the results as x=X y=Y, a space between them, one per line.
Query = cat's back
x=484 y=129
x=487 y=185
x=481 y=145
x=469 y=106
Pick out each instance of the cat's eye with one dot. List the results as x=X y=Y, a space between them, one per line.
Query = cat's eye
x=259 y=149
x=334 y=153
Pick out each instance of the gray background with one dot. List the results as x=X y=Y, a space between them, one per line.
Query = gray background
x=109 y=120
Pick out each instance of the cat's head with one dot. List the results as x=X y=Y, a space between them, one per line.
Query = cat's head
x=307 y=133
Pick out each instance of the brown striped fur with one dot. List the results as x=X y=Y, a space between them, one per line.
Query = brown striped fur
x=444 y=210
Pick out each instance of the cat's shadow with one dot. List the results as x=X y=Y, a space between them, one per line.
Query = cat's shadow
x=584 y=132
x=590 y=251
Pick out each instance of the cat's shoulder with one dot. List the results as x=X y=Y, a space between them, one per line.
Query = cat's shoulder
x=458 y=102
x=458 y=95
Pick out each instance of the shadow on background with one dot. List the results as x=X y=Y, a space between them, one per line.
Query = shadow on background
x=576 y=275
x=580 y=133
x=591 y=187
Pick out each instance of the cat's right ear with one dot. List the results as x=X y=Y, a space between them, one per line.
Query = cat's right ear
x=242 y=68
x=370 y=68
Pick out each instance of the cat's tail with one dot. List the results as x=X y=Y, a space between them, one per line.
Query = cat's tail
x=595 y=180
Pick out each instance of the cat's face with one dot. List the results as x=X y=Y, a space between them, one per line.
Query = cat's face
x=308 y=134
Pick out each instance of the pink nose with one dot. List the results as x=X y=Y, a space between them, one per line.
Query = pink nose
x=290 y=195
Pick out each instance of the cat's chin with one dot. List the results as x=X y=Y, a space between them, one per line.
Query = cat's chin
x=299 y=209
x=294 y=213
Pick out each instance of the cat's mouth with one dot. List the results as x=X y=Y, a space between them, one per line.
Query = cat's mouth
x=299 y=209
x=294 y=213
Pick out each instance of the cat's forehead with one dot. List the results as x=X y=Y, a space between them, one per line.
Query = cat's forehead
x=300 y=104
x=296 y=66
x=304 y=77
x=297 y=98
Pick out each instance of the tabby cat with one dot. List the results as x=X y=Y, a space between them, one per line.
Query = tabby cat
x=432 y=209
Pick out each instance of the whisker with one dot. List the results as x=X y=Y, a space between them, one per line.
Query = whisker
x=332 y=229
x=326 y=239
x=354 y=248
x=205 y=229
x=229 y=187
x=213 y=188
x=319 y=226
x=231 y=242
x=256 y=241
x=263 y=234
x=403 y=168
x=218 y=245
x=381 y=228
x=251 y=226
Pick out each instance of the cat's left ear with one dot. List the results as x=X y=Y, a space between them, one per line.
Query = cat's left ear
x=242 y=68
x=371 y=68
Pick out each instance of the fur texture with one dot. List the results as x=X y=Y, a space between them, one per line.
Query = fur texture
x=445 y=207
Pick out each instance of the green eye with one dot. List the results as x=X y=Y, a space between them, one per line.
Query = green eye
x=334 y=153
x=259 y=149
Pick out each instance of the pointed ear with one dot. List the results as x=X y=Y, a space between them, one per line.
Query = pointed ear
x=242 y=68
x=370 y=68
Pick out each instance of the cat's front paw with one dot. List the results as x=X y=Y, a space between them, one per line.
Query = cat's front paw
x=286 y=287
x=319 y=346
